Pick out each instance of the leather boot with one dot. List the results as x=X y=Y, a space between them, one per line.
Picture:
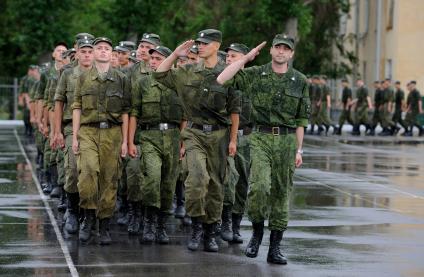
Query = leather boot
x=149 y=230
x=56 y=190
x=123 y=212
x=179 y=193
x=63 y=203
x=311 y=132
x=256 y=240
x=338 y=130
x=87 y=225
x=274 y=254
x=209 y=241
x=356 y=131
x=71 y=223
x=196 y=234
x=236 y=228
x=161 y=235
x=47 y=185
x=105 y=238
x=186 y=220
x=226 y=225
x=134 y=217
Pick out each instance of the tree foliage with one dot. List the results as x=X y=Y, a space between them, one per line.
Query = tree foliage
x=30 y=27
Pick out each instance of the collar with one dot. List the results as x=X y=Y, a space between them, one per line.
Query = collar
x=95 y=74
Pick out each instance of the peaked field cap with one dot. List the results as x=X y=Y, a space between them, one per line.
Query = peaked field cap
x=103 y=39
x=283 y=39
x=194 y=49
x=125 y=46
x=150 y=38
x=84 y=36
x=238 y=47
x=209 y=35
x=164 y=51
x=85 y=43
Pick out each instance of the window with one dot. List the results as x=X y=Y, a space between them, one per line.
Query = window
x=391 y=15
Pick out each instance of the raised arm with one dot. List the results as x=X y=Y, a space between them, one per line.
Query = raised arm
x=181 y=50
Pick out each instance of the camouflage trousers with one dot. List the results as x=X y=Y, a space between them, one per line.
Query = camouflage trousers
x=47 y=154
x=60 y=164
x=345 y=116
x=411 y=119
x=99 y=168
x=271 y=178
x=159 y=167
x=230 y=181
x=39 y=140
x=361 y=115
x=387 y=118
x=324 y=116
x=71 y=172
x=205 y=154
x=131 y=179
x=242 y=162
x=314 y=119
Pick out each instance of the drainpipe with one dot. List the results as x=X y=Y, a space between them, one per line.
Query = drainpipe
x=378 y=41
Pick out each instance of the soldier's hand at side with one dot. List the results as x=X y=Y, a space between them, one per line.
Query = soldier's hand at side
x=255 y=51
x=132 y=150
x=182 y=152
x=124 y=150
x=184 y=48
x=59 y=140
x=75 y=146
x=232 y=148
x=298 y=161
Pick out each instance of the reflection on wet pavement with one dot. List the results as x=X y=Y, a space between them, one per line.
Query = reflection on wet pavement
x=357 y=210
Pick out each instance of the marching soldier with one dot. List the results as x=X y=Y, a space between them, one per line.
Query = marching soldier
x=414 y=108
x=346 y=106
x=362 y=104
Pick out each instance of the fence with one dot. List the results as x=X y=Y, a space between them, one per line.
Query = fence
x=9 y=88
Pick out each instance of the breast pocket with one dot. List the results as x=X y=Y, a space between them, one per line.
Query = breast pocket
x=150 y=106
x=89 y=99
x=217 y=97
x=114 y=100
x=292 y=96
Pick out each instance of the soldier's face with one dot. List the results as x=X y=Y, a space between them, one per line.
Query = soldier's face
x=102 y=52
x=143 y=51
x=58 y=51
x=206 y=50
x=155 y=60
x=397 y=86
x=114 y=60
x=192 y=58
x=359 y=83
x=182 y=61
x=85 y=56
x=123 y=58
x=281 y=53
x=233 y=56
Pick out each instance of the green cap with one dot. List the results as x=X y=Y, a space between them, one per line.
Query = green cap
x=103 y=39
x=133 y=56
x=222 y=55
x=125 y=46
x=85 y=43
x=194 y=49
x=164 y=51
x=283 y=39
x=68 y=52
x=209 y=35
x=150 y=38
x=33 y=66
x=238 y=47
x=80 y=36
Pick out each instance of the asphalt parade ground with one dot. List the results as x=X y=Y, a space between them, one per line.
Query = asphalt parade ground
x=357 y=210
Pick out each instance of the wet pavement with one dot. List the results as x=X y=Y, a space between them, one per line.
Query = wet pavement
x=357 y=210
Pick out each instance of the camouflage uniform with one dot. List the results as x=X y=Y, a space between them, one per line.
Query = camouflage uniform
x=361 y=109
x=378 y=109
x=345 y=114
x=411 y=118
x=324 y=117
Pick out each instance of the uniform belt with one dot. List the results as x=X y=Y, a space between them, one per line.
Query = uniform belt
x=245 y=131
x=101 y=125
x=207 y=128
x=276 y=130
x=160 y=126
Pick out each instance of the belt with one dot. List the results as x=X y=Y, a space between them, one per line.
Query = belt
x=101 y=125
x=245 y=131
x=276 y=130
x=160 y=126
x=207 y=128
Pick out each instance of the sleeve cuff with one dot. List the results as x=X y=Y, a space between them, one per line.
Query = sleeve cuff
x=302 y=122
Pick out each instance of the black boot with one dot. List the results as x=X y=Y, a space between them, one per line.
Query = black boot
x=420 y=130
x=196 y=234
x=408 y=132
x=256 y=240
x=149 y=230
x=87 y=225
x=161 y=235
x=209 y=241
x=371 y=131
x=56 y=190
x=186 y=220
x=311 y=132
x=123 y=212
x=338 y=130
x=179 y=193
x=71 y=223
x=134 y=217
x=274 y=254
x=47 y=185
x=356 y=131
x=105 y=238
x=236 y=228
x=63 y=203
x=320 y=130
x=226 y=225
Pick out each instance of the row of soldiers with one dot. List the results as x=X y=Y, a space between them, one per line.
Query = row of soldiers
x=140 y=123
x=387 y=108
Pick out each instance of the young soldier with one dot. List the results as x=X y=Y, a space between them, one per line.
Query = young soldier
x=99 y=138
x=281 y=109
x=414 y=108
x=362 y=104
x=210 y=109
x=346 y=105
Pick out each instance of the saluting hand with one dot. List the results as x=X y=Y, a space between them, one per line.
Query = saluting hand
x=183 y=49
x=255 y=51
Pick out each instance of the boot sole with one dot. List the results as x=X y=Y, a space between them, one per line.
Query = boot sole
x=276 y=262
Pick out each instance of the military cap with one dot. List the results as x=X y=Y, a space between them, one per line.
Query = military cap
x=222 y=55
x=209 y=35
x=85 y=43
x=413 y=82
x=315 y=77
x=164 y=51
x=283 y=39
x=238 y=47
x=103 y=39
x=68 y=52
x=345 y=81
x=133 y=56
x=84 y=36
x=125 y=46
x=194 y=49
x=60 y=43
x=324 y=77
x=397 y=83
x=150 y=38
x=33 y=66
